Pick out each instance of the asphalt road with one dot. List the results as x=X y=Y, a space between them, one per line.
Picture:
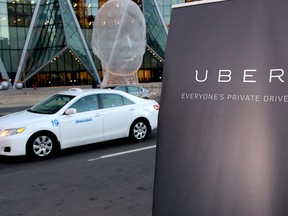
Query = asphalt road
x=112 y=178
x=7 y=110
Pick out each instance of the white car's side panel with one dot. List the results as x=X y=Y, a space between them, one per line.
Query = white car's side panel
x=81 y=128
x=117 y=120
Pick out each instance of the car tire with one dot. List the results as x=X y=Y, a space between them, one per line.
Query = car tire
x=42 y=145
x=139 y=130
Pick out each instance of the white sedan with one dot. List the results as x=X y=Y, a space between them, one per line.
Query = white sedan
x=76 y=117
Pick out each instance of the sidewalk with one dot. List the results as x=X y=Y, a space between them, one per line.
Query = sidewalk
x=29 y=96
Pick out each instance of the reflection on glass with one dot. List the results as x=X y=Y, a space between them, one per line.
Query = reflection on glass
x=156 y=33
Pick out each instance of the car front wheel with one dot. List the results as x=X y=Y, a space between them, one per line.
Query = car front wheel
x=139 y=130
x=41 y=145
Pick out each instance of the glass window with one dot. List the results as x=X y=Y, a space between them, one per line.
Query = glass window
x=52 y=104
x=94 y=10
x=21 y=37
x=28 y=10
x=147 y=60
x=121 y=88
x=19 y=8
x=4 y=34
x=61 y=63
x=132 y=89
x=154 y=62
x=167 y=10
x=113 y=100
x=13 y=38
x=3 y=8
x=68 y=61
x=87 y=103
x=91 y=3
x=6 y=58
x=127 y=102
x=53 y=65
x=11 y=8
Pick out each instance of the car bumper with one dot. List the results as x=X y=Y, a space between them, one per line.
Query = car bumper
x=14 y=145
x=153 y=126
x=154 y=120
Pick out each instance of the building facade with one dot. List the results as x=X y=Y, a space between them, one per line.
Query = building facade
x=48 y=42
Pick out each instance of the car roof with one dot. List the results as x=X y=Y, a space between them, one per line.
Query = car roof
x=79 y=91
x=114 y=86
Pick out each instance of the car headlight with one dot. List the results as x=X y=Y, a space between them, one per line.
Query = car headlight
x=12 y=131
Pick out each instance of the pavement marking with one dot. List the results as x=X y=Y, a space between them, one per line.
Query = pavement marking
x=121 y=153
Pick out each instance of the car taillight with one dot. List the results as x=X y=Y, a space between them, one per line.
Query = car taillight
x=156 y=107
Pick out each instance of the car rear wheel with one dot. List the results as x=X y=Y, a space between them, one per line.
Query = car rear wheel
x=42 y=145
x=139 y=130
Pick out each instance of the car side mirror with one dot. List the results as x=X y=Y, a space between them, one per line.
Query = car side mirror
x=70 y=111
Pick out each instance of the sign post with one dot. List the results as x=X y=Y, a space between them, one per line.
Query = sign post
x=223 y=126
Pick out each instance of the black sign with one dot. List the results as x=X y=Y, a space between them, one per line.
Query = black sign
x=223 y=127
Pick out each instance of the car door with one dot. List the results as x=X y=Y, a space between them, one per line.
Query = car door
x=83 y=127
x=118 y=114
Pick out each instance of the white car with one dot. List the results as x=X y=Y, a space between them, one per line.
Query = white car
x=132 y=89
x=76 y=117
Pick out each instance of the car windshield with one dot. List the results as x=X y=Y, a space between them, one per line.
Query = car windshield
x=52 y=104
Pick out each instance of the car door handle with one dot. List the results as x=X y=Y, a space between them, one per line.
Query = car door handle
x=97 y=115
x=132 y=108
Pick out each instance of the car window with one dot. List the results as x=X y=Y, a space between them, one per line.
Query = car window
x=52 y=104
x=87 y=103
x=114 y=100
x=133 y=89
x=127 y=101
x=121 y=88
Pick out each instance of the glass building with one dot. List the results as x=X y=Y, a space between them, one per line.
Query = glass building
x=165 y=8
x=48 y=42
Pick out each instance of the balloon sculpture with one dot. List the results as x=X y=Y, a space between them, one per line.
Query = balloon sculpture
x=119 y=41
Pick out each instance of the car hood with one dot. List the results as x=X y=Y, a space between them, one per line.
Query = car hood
x=20 y=119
